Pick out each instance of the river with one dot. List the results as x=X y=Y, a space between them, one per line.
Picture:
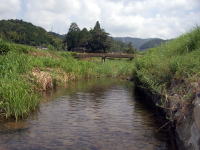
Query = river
x=87 y=115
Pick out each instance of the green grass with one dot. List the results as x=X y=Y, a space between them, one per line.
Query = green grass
x=18 y=95
x=172 y=67
x=169 y=69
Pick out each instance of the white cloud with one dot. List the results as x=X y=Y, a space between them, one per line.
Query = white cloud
x=155 y=18
x=9 y=8
x=138 y=18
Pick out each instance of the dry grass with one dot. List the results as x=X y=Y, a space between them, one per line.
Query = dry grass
x=43 y=79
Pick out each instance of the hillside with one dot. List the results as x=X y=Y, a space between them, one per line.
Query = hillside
x=141 y=44
x=152 y=43
x=170 y=72
x=22 y=32
x=60 y=36
x=178 y=59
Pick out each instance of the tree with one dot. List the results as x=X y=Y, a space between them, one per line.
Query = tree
x=74 y=27
x=130 y=48
x=84 y=38
x=95 y=40
x=99 y=41
x=72 y=37
x=97 y=26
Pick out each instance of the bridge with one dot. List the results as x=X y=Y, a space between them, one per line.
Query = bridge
x=104 y=55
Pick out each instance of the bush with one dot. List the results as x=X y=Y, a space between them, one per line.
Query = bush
x=4 y=48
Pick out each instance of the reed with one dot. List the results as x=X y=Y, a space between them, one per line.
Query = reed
x=172 y=68
x=25 y=71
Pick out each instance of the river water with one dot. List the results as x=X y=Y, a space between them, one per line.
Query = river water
x=87 y=115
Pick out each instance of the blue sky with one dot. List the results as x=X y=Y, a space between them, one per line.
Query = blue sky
x=137 y=18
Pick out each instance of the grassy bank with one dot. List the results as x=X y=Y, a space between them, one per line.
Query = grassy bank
x=24 y=71
x=173 y=69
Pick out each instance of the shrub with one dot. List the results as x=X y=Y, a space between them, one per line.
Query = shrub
x=4 y=48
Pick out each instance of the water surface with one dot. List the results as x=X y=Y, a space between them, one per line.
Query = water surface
x=88 y=115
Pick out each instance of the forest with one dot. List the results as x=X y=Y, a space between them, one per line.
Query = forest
x=82 y=40
x=26 y=33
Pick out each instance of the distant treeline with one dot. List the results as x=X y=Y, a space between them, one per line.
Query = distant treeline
x=93 y=40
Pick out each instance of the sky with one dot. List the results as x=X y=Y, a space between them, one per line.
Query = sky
x=136 y=18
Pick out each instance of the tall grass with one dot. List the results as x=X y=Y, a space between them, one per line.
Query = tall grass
x=178 y=60
x=17 y=92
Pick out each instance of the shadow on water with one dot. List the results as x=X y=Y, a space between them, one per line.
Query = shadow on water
x=87 y=115
x=145 y=99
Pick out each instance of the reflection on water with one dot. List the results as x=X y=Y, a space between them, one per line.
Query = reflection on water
x=89 y=115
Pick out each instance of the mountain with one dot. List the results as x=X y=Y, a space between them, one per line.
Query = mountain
x=152 y=43
x=141 y=44
x=22 y=32
x=60 y=36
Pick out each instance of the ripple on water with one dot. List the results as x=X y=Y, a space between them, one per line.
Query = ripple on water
x=90 y=116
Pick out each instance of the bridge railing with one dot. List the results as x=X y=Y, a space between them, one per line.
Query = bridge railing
x=104 y=55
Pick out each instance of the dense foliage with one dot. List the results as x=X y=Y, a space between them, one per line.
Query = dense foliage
x=4 y=48
x=94 y=40
x=22 y=32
